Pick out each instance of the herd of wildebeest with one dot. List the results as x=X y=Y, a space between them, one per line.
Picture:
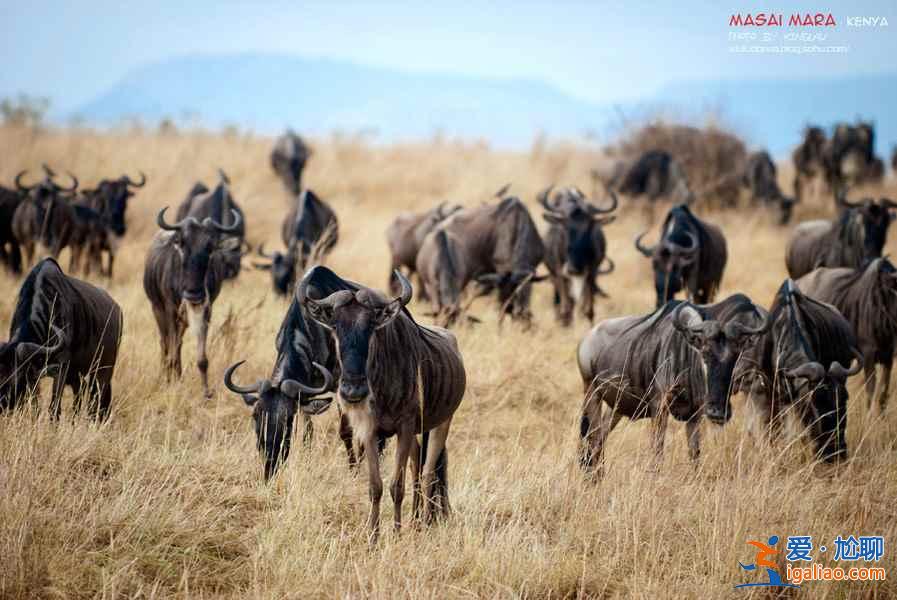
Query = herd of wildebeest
x=835 y=316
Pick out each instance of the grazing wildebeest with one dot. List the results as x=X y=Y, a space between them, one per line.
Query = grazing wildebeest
x=799 y=362
x=809 y=159
x=406 y=234
x=62 y=328
x=309 y=231
x=678 y=360
x=850 y=156
x=185 y=267
x=866 y=299
x=444 y=273
x=218 y=205
x=10 y=252
x=761 y=178
x=108 y=201
x=575 y=248
x=45 y=216
x=288 y=160
x=501 y=249
x=691 y=254
x=396 y=378
x=851 y=239
x=656 y=174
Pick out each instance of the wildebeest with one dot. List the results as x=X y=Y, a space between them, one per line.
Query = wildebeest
x=45 y=216
x=761 y=178
x=396 y=378
x=184 y=270
x=679 y=360
x=10 y=252
x=850 y=155
x=800 y=362
x=691 y=254
x=857 y=235
x=288 y=158
x=219 y=206
x=866 y=298
x=406 y=234
x=309 y=232
x=62 y=328
x=108 y=201
x=654 y=175
x=575 y=248
x=809 y=159
x=501 y=249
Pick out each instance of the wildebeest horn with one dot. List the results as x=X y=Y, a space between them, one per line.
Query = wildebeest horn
x=131 y=183
x=292 y=388
x=543 y=199
x=812 y=371
x=405 y=296
x=638 y=244
x=263 y=254
x=504 y=190
x=48 y=171
x=765 y=326
x=22 y=187
x=160 y=221
x=223 y=176
x=597 y=211
x=610 y=269
x=63 y=189
x=238 y=220
x=28 y=349
x=888 y=203
x=239 y=389
x=677 y=315
x=839 y=372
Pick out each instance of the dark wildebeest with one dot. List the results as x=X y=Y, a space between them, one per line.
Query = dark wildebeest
x=288 y=160
x=501 y=249
x=856 y=236
x=809 y=159
x=866 y=298
x=691 y=254
x=45 y=216
x=679 y=360
x=799 y=362
x=761 y=178
x=109 y=201
x=219 y=206
x=406 y=234
x=185 y=267
x=656 y=174
x=396 y=378
x=309 y=232
x=63 y=328
x=850 y=156
x=10 y=252
x=575 y=247
x=306 y=356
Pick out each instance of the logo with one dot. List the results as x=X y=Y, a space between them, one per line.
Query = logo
x=761 y=559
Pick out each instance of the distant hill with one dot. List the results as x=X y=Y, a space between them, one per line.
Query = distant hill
x=269 y=92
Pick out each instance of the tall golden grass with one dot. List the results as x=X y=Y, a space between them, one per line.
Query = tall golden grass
x=166 y=499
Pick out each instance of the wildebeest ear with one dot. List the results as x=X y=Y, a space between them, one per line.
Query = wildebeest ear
x=553 y=219
x=386 y=314
x=315 y=406
x=230 y=243
x=250 y=399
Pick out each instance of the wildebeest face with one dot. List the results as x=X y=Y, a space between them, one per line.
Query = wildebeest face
x=282 y=267
x=876 y=219
x=352 y=319
x=115 y=195
x=274 y=408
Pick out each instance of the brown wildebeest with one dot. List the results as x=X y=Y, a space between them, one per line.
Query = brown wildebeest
x=501 y=249
x=866 y=298
x=857 y=235
x=799 y=362
x=809 y=160
x=761 y=178
x=396 y=378
x=406 y=234
x=691 y=254
x=185 y=267
x=63 y=328
x=679 y=360
x=45 y=216
x=575 y=247
x=288 y=158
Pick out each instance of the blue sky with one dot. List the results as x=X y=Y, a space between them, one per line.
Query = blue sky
x=600 y=51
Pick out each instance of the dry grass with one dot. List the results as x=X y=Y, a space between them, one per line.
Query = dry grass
x=166 y=499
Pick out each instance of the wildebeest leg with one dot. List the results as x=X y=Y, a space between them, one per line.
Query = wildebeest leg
x=345 y=434
x=74 y=258
x=434 y=474
x=658 y=433
x=397 y=488
x=108 y=272
x=564 y=308
x=104 y=401
x=587 y=298
x=798 y=187
x=59 y=383
x=594 y=429
x=375 y=484
x=202 y=360
x=693 y=433
x=415 y=479
x=422 y=294
x=884 y=390
x=870 y=373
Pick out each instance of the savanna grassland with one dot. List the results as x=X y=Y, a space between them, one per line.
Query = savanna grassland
x=166 y=499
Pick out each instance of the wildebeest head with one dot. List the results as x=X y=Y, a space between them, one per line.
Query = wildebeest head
x=352 y=318
x=579 y=218
x=672 y=260
x=274 y=406
x=196 y=242
x=46 y=190
x=21 y=364
x=876 y=218
x=720 y=346
x=113 y=198
x=282 y=267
